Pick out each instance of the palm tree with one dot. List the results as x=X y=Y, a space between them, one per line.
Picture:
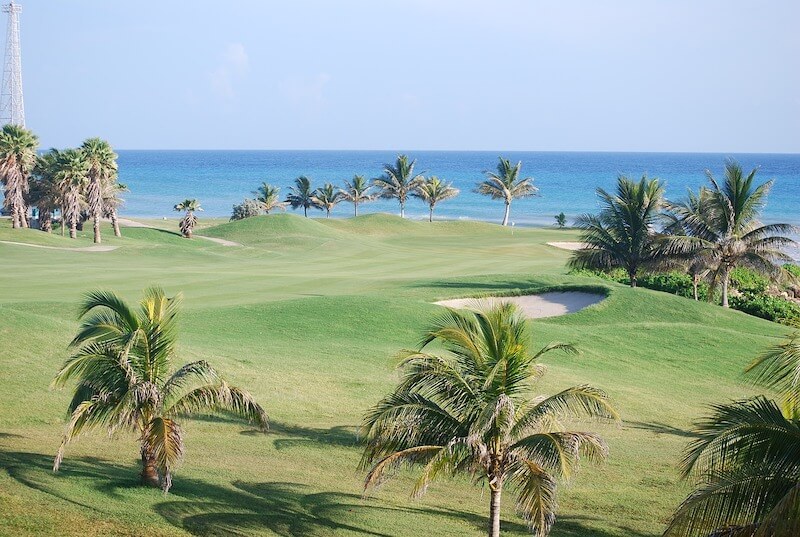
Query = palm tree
x=432 y=191
x=189 y=220
x=17 y=159
x=71 y=177
x=747 y=459
x=697 y=264
x=398 y=181
x=327 y=197
x=623 y=234
x=506 y=185
x=44 y=192
x=112 y=202
x=102 y=170
x=728 y=232
x=122 y=365
x=467 y=405
x=357 y=191
x=302 y=195
x=268 y=198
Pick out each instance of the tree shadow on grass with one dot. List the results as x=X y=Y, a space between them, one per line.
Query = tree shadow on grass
x=244 y=508
x=661 y=428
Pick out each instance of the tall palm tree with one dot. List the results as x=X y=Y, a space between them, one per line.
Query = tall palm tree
x=102 y=170
x=398 y=181
x=44 y=193
x=189 y=220
x=17 y=159
x=327 y=197
x=112 y=201
x=125 y=381
x=506 y=185
x=268 y=198
x=728 y=232
x=71 y=176
x=357 y=191
x=624 y=233
x=302 y=195
x=747 y=459
x=467 y=404
x=432 y=190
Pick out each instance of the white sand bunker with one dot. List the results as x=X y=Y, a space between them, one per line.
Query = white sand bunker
x=568 y=245
x=533 y=306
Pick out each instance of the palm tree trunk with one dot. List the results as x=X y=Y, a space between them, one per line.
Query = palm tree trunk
x=695 y=282
x=305 y=211
x=23 y=216
x=430 y=215
x=96 y=226
x=115 y=223
x=149 y=475
x=73 y=230
x=327 y=213
x=14 y=217
x=494 y=512
x=355 y=208
x=402 y=209
x=632 y=277
x=507 y=213
x=63 y=223
x=726 y=277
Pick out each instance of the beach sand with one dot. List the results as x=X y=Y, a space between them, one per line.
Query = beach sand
x=533 y=306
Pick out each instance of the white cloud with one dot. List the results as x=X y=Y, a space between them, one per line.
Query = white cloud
x=232 y=68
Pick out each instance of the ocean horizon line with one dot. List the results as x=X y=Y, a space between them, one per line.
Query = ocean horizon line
x=488 y=151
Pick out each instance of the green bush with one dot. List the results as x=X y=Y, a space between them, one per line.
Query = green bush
x=748 y=281
x=794 y=270
x=767 y=307
x=676 y=283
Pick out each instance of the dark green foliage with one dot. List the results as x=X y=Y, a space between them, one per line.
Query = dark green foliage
x=247 y=209
x=561 y=219
x=675 y=283
x=767 y=307
x=794 y=270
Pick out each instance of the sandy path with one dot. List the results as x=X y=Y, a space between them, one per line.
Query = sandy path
x=568 y=245
x=533 y=306
x=96 y=248
x=133 y=223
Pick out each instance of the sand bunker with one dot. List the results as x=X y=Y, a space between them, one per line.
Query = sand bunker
x=568 y=245
x=533 y=306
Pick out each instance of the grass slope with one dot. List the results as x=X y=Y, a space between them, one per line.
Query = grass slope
x=308 y=316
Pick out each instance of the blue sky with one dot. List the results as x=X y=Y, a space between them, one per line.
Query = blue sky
x=439 y=74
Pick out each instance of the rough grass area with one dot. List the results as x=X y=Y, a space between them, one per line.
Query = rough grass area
x=309 y=315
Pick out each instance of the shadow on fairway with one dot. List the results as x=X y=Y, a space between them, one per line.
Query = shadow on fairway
x=243 y=508
x=661 y=428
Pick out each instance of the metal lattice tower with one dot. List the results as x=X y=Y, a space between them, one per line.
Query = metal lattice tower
x=12 y=107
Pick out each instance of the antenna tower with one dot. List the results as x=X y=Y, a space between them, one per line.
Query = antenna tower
x=12 y=108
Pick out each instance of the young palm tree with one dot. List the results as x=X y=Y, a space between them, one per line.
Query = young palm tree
x=623 y=234
x=189 y=220
x=302 y=195
x=432 y=191
x=112 y=201
x=357 y=191
x=125 y=381
x=71 y=176
x=470 y=407
x=102 y=170
x=44 y=192
x=747 y=459
x=17 y=159
x=398 y=181
x=728 y=232
x=327 y=198
x=268 y=197
x=506 y=185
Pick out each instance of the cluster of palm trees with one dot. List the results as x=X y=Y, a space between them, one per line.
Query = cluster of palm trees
x=400 y=182
x=708 y=234
x=80 y=184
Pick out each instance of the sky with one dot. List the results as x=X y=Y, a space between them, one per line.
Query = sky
x=639 y=75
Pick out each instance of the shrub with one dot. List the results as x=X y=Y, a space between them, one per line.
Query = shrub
x=767 y=307
x=794 y=270
x=246 y=209
x=748 y=281
x=676 y=283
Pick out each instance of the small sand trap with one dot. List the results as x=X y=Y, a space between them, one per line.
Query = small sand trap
x=568 y=245
x=533 y=306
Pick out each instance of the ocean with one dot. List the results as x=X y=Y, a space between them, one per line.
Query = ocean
x=566 y=180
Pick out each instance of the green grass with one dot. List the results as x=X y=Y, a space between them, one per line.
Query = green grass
x=308 y=315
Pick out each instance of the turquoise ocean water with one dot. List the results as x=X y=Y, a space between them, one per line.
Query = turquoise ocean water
x=566 y=181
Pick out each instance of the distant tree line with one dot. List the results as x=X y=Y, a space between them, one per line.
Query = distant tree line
x=78 y=184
